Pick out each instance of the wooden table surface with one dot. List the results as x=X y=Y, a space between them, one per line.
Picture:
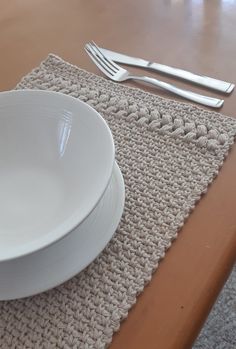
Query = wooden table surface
x=195 y=35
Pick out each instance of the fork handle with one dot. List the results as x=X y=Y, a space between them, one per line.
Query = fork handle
x=206 y=81
x=192 y=96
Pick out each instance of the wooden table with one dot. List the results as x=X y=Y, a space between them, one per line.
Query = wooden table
x=195 y=35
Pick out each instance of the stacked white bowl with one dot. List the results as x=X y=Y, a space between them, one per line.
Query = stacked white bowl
x=61 y=191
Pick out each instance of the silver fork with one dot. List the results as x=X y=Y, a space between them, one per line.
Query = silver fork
x=118 y=74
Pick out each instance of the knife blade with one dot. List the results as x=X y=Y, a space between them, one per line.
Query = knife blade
x=202 y=80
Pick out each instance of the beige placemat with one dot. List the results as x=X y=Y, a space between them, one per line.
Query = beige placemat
x=169 y=152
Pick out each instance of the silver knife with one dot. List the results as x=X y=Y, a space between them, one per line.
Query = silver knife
x=215 y=84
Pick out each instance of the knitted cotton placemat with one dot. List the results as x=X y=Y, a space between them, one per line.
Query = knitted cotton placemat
x=168 y=152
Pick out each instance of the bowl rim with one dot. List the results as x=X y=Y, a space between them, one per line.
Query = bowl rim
x=63 y=229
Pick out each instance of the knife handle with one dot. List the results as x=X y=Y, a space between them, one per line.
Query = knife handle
x=215 y=84
x=192 y=96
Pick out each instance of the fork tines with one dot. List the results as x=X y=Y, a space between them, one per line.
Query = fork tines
x=106 y=65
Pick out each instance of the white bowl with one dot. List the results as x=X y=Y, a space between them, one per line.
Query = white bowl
x=53 y=265
x=56 y=160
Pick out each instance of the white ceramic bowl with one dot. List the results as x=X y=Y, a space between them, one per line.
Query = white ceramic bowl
x=53 y=265
x=56 y=160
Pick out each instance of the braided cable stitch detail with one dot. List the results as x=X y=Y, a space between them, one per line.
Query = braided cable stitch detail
x=156 y=119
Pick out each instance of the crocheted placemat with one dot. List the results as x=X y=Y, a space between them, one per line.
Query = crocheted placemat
x=168 y=152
